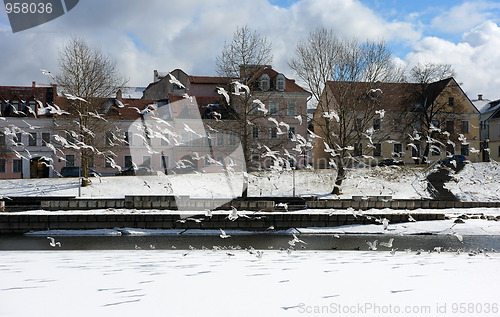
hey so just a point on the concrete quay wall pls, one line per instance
(397, 204)
(22, 223)
(156, 202)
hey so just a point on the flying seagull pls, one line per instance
(47, 73)
(53, 242)
(175, 81)
(387, 244)
(372, 245)
(223, 234)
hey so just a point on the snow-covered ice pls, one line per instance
(236, 283)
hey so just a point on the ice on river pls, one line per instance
(237, 283)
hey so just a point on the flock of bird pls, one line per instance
(293, 246)
(156, 127)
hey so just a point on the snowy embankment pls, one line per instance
(477, 182)
(392, 181)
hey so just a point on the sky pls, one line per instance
(143, 36)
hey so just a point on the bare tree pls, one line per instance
(247, 48)
(342, 76)
(239, 60)
(4, 149)
(429, 111)
(86, 77)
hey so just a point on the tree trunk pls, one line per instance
(338, 180)
(425, 156)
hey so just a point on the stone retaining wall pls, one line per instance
(397, 204)
(19, 223)
(157, 202)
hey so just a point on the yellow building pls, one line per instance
(490, 127)
(406, 122)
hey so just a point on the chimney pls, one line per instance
(480, 97)
(33, 84)
(119, 94)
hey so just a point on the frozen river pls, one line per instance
(111, 278)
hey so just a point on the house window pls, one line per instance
(32, 105)
(220, 139)
(397, 150)
(451, 101)
(2, 138)
(146, 161)
(71, 137)
(415, 150)
(291, 133)
(185, 138)
(17, 165)
(273, 133)
(15, 105)
(273, 108)
(232, 139)
(45, 138)
(127, 138)
(376, 124)
(206, 161)
(165, 140)
(264, 82)
(464, 126)
(147, 140)
(450, 126)
(436, 124)
(3, 163)
(220, 160)
(127, 160)
(450, 149)
(19, 138)
(377, 149)
(107, 161)
(358, 124)
(465, 149)
(358, 149)
(291, 108)
(499, 150)
(280, 82)
(435, 150)
(32, 139)
(254, 108)
(255, 132)
(70, 160)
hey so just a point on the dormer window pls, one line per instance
(280, 82)
(15, 105)
(32, 105)
(264, 82)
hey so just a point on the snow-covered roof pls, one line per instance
(486, 105)
(132, 92)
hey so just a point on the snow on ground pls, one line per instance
(477, 182)
(387, 181)
(237, 283)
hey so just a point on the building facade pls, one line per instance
(402, 121)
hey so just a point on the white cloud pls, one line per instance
(476, 59)
(464, 16)
(184, 34)
(190, 34)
